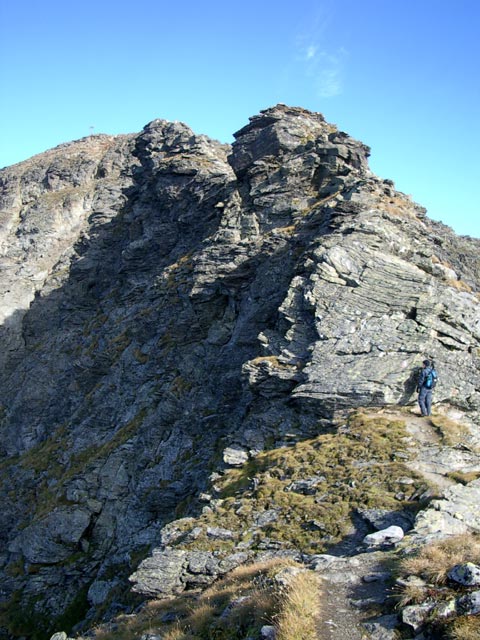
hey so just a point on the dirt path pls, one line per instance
(426, 445)
(352, 591)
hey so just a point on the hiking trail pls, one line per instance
(356, 585)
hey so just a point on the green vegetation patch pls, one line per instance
(20, 621)
(357, 468)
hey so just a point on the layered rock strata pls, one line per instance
(165, 297)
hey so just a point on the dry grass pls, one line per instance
(434, 561)
(273, 361)
(464, 477)
(298, 617)
(451, 432)
(410, 595)
(399, 205)
(460, 285)
(463, 628)
(287, 231)
(233, 608)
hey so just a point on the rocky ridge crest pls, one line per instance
(165, 297)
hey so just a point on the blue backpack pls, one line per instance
(430, 379)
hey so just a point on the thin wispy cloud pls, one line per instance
(324, 69)
(319, 61)
(311, 52)
(317, 64)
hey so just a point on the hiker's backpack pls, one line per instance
(430, 379)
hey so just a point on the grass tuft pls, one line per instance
(432, 562)
(464, 477)
(299, 614)
(450, 431)
(233, 608)
(463, 628)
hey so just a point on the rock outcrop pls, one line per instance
(166, 298)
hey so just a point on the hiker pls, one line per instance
(426, 383)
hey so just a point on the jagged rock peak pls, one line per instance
(280, 130)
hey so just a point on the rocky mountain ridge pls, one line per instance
(172, 305)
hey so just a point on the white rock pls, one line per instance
(235, 457)
(390, 535)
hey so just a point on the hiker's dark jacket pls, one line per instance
(424, 373)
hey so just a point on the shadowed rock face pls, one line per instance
(164, 295)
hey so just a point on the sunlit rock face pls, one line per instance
(165, 296)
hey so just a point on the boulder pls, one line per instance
(161, 573)
(445, 609)
(306, 486)
(265, 518)
(267, 632)
(218, 533)
(466, 574)
(382, 519)
(171, 571)
(469, 604)
(416, 615)
(455, 513)
(235, 457)
(382, 628)
(390, 535)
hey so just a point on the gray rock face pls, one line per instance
(382, 519)
(52, 538)
(166, 297)
(456, 513)
(161, 574)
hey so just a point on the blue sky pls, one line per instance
(403, 77)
